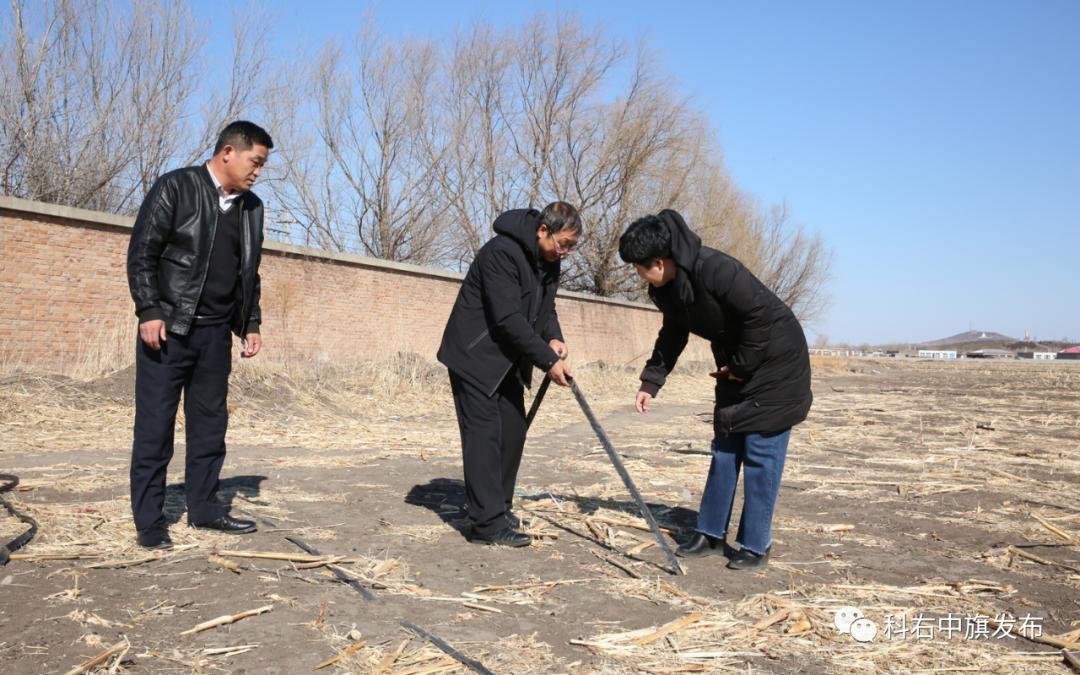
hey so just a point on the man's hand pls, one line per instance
(725, 374)
(560, 373)
(152, 333)
(641, 403)
(560, 348)
(252, 345)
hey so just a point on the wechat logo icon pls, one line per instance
(850, 621)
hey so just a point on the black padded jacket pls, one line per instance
(750, 330)
(504, 316)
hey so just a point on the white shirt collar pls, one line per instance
(225, 199)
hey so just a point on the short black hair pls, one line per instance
(645, 240)
(559, 216)
(242, 134)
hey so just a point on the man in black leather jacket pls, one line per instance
(504, 324)
(193, 272)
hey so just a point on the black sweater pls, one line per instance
(218, 300)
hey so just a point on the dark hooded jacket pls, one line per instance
(504, 315)
(750, 330)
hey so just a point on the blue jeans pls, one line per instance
(761, 457)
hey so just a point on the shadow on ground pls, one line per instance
(446, 498)
(248, 487)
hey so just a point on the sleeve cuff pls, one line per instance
(650, 388)
(550, 362)
(738, 372)
(253, 326)
(151, 314)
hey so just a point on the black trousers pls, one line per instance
(492, 439)
(197, 364)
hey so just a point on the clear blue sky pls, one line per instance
(935, 145)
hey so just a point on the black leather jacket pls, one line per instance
(169, 253)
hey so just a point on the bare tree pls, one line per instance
(616, 162)
(98, 97)
(300, 175)
(405, 150)
(64, 75)
(246, 94)
(468, 141)
(365, 181)
(163, 83)
(557, 68)
(794, 264)
(83, 83)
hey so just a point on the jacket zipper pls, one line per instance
(209, 255)
(539, 298)
(731, 419)
(499, 382)
(245, 247)
(536, 315)
(477, 340)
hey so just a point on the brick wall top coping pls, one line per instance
(26, 206)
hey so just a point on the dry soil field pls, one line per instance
(940, 499)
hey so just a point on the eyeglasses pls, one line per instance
(562, 248)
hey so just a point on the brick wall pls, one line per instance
(64, 300)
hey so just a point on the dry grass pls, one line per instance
(104, 346)
(830, 365)
(795, 628)
(402, 404)
(990, 449)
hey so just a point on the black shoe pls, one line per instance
(226, 524)
(507, 536)
(701, 545)
(513, 521)
(154, 537)
(746, 559)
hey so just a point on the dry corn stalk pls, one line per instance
(227, 564)
(90, 664)
(351, 649)
(227, 619)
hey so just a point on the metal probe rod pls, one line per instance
(627, 481)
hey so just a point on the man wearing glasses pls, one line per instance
(504, 324)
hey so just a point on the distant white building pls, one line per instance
(827, 351)
(990, 354)
(1044, 356)
(936, 354)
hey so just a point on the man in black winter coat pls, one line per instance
(193, 272)
(762, 377)
(504, 324)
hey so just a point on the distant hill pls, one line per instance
(985, 338)
(973, 340)
(970, 341)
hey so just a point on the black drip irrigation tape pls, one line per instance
(342, 577)
(471, 664)
(9, 484)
